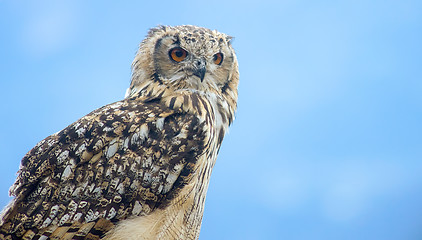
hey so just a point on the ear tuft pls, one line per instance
(229, 40)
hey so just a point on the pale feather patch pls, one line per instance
(160, 123)
(62, 157)
(137, 208)
(66, 173)
(139, 136)
(81, 132)
(112, 149)
(111, 214)
(127, 92)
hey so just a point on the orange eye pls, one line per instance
(218, 58)
(178, 54)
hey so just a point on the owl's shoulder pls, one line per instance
(124, 159)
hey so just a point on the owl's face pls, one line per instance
(193, 59)
(186, 58)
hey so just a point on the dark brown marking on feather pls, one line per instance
(225, 86)
(220, 136)
(222, 113)
(160, 95)
(204, 103)
(195, 103)
(172, 101)
(176, 40)
(185, 100)
(230, 117)
(73, 229)
(156, 77)
(158, 44)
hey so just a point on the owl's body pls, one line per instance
(138, 168)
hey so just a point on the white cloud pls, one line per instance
(285, 188)
(354, 187)
(49, 28)
(347, 197)
(286, 191)
(340, 190)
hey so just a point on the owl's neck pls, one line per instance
(208, 106)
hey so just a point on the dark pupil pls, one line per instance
(215, 57)
(178, 53)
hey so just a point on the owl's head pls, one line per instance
(186, 58)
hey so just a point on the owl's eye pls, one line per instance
(178, 54)
(218, 58)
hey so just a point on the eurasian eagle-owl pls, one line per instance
(138, 168)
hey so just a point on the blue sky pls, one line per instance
(327, 143)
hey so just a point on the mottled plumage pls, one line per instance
(138, 168)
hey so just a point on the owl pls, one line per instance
(138, 168)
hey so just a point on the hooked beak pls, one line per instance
(200, 69)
